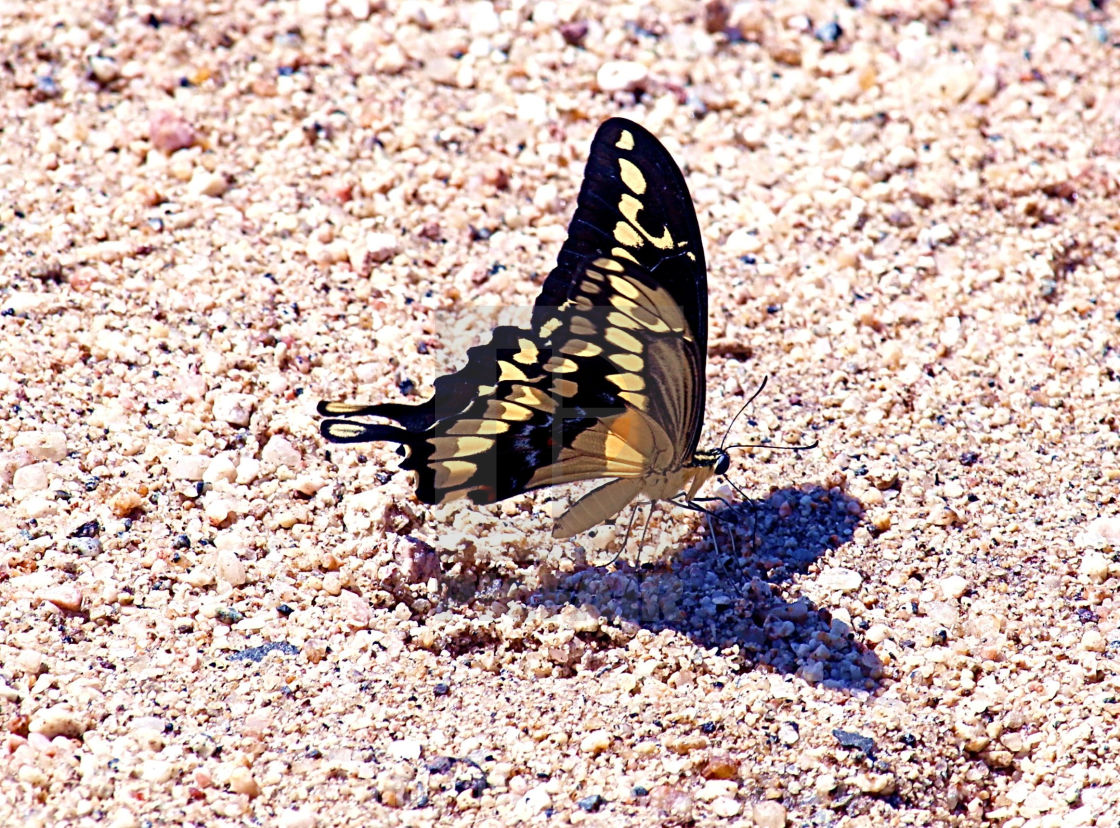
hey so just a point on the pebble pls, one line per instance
(620, 75)
(169, 132)
(229, 568)
(188, 467)
(66, 597)
(840, 579)
(769, 814)
(953, 586)
(241, 781)
(221, 468)
(58, 720)
(408, 750)
(235, 409)
(1094, 566)
(536, 801)
(49, 444)
(1104, 530)
(280, 452)
(595, 742)
(371, 249)
(725, 806)
(34, 477)
(296, 818)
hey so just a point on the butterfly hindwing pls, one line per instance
(607, 381)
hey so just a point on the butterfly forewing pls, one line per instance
(607, 381)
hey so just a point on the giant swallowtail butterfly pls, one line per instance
(608, 379)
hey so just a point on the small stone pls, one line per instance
(720, 767)
(229, 568)
(743, 241)
(595, 742)
(33, 478)
(59, 720)
(296, 818)
(840, 579)
(126, 502)
(769, 814)
(247, 471)
(621, 75)
(221, 468)
(355, 607)
(536, 801)
(953, 587)
(278, 451)
(374, 248)
(1104, 530)
(358, 9)
(241, 781)
(103, 69)
(235, 409)
(66, 597)
(408, 750)
(169, 132)
(86, 547)
(725, 806)
(1094, 566)
(188, 467)
(157, 770)
(482, 20)
(49, 444)
(419, 562)
(208, 183)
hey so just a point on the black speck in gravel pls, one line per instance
(856, 741)
(441, 689)
(441, 764)
(591, 803)
(258, 653)
(89, 529)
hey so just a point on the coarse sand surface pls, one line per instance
(214, 214)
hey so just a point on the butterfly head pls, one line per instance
(717, 460)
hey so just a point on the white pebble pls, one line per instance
(372, 249)
(482, 20)
(235, 409)
(188, 467)
(1102, 530)
(66, 597)
(33, 478)
(296, 818)
(59, 720)
(229, 567)
(247, 470)
(840, 579)
(769, 814)
(406, 749)
(221, 468)
(742, 242)
(595, 742)
(280, 452)
(726, 806)
(1094, 566)
(953, 587)
(536, 801)
(620, 75)
(49, 444)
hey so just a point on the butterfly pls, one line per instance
(607, 381)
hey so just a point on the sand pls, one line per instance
(215, 214)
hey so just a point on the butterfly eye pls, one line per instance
(723, 463)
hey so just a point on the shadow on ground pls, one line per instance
(734, 596)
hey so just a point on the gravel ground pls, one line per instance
(214, 214)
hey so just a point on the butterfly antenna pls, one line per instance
(805, 447)
(753, 397)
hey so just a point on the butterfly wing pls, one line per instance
(608, 381)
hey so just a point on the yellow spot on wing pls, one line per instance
(630, 207)
(528, 353)
(531, 397)
(631, 176)
(623, 253)
(478, 427)
(625, 140)
(622, 320)
(448, 448)
(627, 382)
(549, 327)
(582, 326)
(344, 431)
(627, 362)
(509, 371)
(565, 387)
(500, 410)
(624, 340)
(625, 233)
(452, 473)
(341, 409)
(580, 348)
(609, 264)
(560, 365)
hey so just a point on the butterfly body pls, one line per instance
(607, 381)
